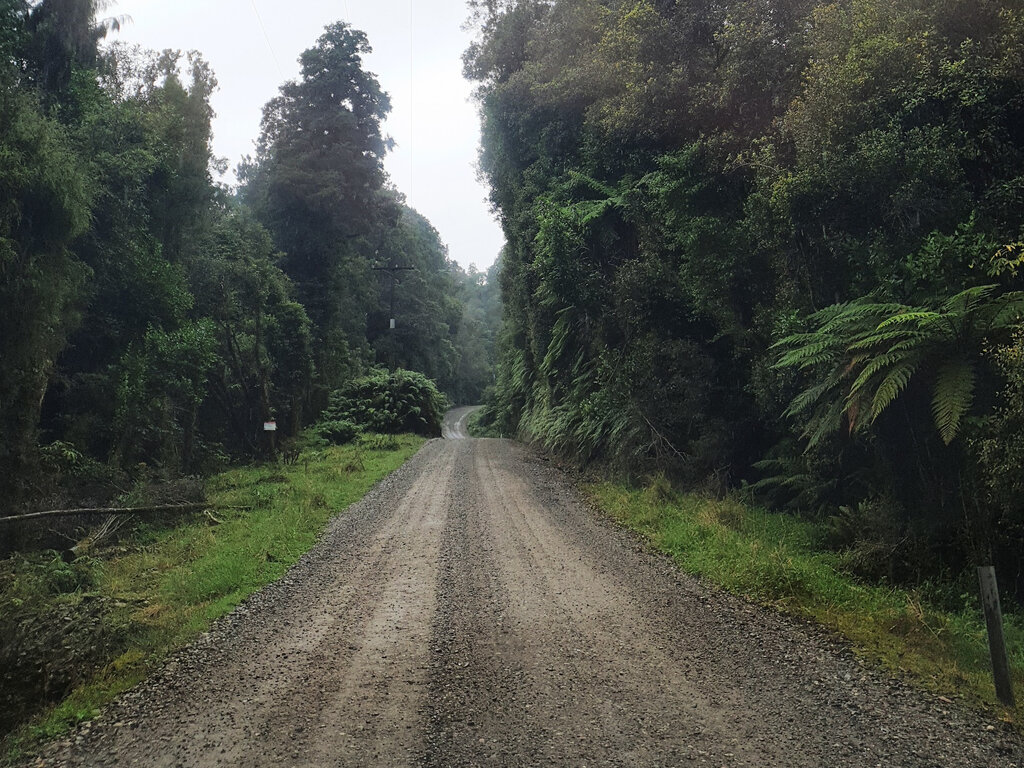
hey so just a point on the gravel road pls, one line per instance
(472, 611)
(454, 426)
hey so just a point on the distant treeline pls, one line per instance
(775, 243)
(152, 320)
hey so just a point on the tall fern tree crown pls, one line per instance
(861, 356)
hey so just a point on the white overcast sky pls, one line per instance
(417, 48)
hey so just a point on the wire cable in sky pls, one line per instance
(266, 37)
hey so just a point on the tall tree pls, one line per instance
(422, 298)
(317, 183)
(45, 206)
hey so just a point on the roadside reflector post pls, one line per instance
(996, 641)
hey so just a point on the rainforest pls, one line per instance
(771, 248)
(153, 319)
(760, 308)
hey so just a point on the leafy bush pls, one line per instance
(379, 442)
(61, 456)
(390, 403)
(337, 432)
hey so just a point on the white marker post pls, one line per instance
(270, 430)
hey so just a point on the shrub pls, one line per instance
(337, 431)
(390, 403)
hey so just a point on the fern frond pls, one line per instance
(807, 398)
(797, 339)
(892, 385)
(1007, 311)
(952, 396)
(873, 368)
(826, 314)
(907, 317)
(967, 300)
(824, 424)
(560, 335)
(806, 356)
(886, 337)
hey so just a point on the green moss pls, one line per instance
(169, 584)
(772, 559)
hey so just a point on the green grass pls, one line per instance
(771, 558)
(170, 583)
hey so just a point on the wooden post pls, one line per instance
(996, 642)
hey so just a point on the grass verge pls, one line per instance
(157, 591)
(772, 559)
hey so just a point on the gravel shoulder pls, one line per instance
(473, 611)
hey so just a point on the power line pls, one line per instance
(266, 37)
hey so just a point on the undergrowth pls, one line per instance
(117, 615)
(479, 424)
(773, 559)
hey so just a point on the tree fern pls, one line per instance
(860, 357)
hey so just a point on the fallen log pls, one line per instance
(115, 511)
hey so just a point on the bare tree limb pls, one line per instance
(116, 511)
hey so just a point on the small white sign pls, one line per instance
(270, 426)
(392, 323)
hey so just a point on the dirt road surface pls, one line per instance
(454, 426)
(472, 611)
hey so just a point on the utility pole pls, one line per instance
(393, 272)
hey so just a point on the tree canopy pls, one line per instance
(152, 319)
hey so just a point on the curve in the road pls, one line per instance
(454, 425)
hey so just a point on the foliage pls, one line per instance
(264, 366)
(149, 315)
(317, 184)
(45, 207)
(862, 356)
(423, 300)
(390, 403)
(162, 384)
(52, 635)
(683, 185)
(477, 336)
(337, 432)
(999, 451)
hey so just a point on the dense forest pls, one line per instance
(151, 319)
(772, 245)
